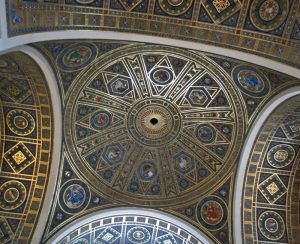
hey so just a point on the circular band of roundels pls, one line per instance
(20, 122)
(8, 66)
(281, 155)
(74, 196)
(268, 15)
(161, 75)
(212, 213)
(138, 234)
(175, 7)
(271, 225)
(12, 195)
(77, 56)
(251, 81)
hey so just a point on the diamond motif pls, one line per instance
(109, 235)
(19, 157)
(220, 10)
(221, 5)
(166, 239)
(15, 89)
(272, 188)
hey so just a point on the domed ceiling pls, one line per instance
(268, 28)
(150, 126)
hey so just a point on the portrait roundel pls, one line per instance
(74, 196)
(212, 212)
(76, 56)
(251, 81)
(268, 15)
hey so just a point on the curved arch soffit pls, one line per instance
(246, 151)
(57, 134)
(8, 43)
(129, 211)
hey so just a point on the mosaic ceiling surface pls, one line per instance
(25, 146)
(271, 188)
(268, 28)
(153, 126)
(130, 229)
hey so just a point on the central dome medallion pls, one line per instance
(151, 125)
(154, 122)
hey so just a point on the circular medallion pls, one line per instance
(268, 15)
(139, 235)
(251, 81)
(101, 120)
(269, 10)
(147, 170)
(281, 155)
(212, 212)
(76, 56)
(12, 195)
(153, 145)
(161, 76)
(20, 122)
(154, 122)
(7, 65)
(271, 225)
(206, 133)
(175, 7)
(74, 196)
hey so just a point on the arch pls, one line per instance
(140, 212)
(57, 134)
(246, 152)
(9, 43)
(57, 138)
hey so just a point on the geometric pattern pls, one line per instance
(130, 228)
(25, 145)
(120, 158)
(19, 157)
(270, 197)
(268, 28)
(219, 10)
(156, 99)
(272, 188)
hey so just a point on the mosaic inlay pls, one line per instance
(146, 118)
(25, 146)
(270, 203)
(160, 127)
(268, 28)
(131, 229)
